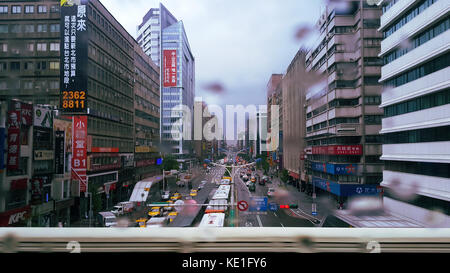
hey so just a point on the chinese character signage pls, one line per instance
(79, 151)
(74, 54)
(13, 139)
(2, 148)
(59, 152)
(169, 68)
(338, 150)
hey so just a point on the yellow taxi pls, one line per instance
(168, 208)
(155, 212)
(142, 222)
(172, 216)
(175, 196)
(193, 193)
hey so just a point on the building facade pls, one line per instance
(416, 103)
(34, 38)
(275, 97)
(293, 100)
(343, 119)
(164, 39)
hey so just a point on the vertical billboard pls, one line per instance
(79, 151)
(169, 68)
(59, 152)
(74, 56)
(14, 118)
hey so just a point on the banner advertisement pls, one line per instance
(74, 56)
(43, 117)
(79, 151)
(59, 152)
(169, 68)
(13, 140)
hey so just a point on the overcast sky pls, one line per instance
(237, 43)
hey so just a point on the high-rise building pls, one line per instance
(293, 100)
(416, 102)
(146, 114)
(275, 97)
(164, 38)
(343, 118)
(149, 32)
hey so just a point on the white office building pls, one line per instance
(416, 102)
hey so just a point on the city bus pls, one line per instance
(213, 220)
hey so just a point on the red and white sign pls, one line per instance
(242, 205)
(15, 216)
(104, 150)
(13, 139)
(27, 114)
(169, 68)
(79, 151)
(338, 150)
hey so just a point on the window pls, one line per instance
(3, 85)
(41, 46)
(54, 28)
(419, 40)
(3, 9)
(29, 9)
(29, 28)
(371, 80)
(3, 28)
(373, 119)
(3, 47)
(54, 65)
(30, 47)
(42, 9)
(15, 66)
(42, 65)
(28, 66)
(432, 66)
(28, 85)
(16, 9)
(54, 8)
(3, 66)
(54, 84)
(15, 28)
(372, 100)
(371, 23)
(41, 28)
(54, 46)
(412, 13)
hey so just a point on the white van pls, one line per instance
(107, 219)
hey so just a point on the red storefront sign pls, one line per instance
(79, 151)
(338, 150)
(146, 162)
(20, 184)
(15, 216)
(27, 114)
(13, 139)
(104, 150)
(169, 68)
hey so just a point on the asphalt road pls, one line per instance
(280, 218)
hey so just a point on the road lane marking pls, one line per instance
(259, 220)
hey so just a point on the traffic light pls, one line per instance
(291, 206)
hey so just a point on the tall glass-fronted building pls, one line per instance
(164, 39)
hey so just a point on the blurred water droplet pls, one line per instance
(10, 243)
(436, 219)
(305, 244)
(403, 191)
(303, 31)
(366, 206)
(216, 88)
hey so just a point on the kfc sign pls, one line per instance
(15, 216)
(79, 151)
(170, 68)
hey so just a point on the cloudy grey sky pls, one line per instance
(236, 43)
